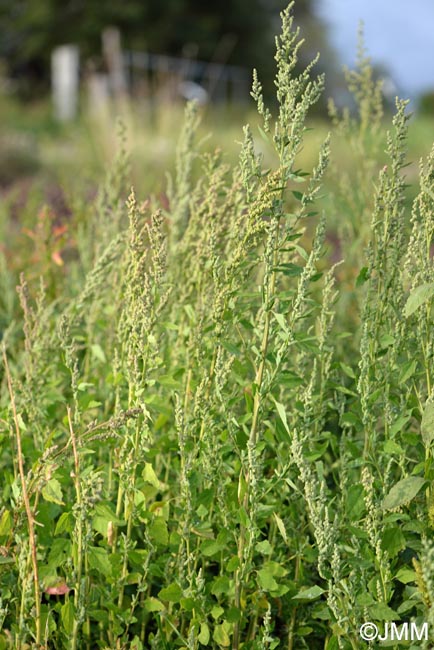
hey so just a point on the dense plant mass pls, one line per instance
(215, 432)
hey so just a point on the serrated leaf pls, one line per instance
(418, 297)
(403, 492)
(427, 424)
(52, 491)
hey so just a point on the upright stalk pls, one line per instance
(254, 426)
(79, 565)
(29, 513)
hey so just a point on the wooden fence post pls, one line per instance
(65, 81)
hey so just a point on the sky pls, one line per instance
(399, 34)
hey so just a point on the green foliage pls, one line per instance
(194, 453)
(31, 29)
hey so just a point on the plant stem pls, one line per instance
(29, 514)
(254, 427)
(79, 566)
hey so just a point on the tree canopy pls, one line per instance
(30, 29)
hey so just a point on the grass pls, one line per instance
(216, 407)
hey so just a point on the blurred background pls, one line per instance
(68, 68)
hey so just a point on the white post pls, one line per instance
(65, 81)
(111, 43)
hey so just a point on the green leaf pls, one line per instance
(99, 560)
(312, 593)
(158, 531)
(403, 492)
(169, 382)
(405, 575)
(67, 614)
(217, 611)
(60, 550)
(418, 297)
(203, 636)
(136, 644)
(52, 491)
(407, 371)
(427, 424)
(362, 277)
(65, 523)
(282, 414)
(5, 523)
(281, 527)
(152, 604)
(348, 370)
(391, 447)
(266, 580)
(98, 352)
(106, 512)
(172, 593)
(264, 547)
(150, 476)
(386, 340)
(289, 269)
(381, 612)
(392, 541)
(355, 501)
(400, 423)
(220, 586)
(221, 634)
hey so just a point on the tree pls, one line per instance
(30, 29)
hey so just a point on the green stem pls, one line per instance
(28, 509)
(79, 563)
(253, 437)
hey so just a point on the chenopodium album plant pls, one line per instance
(193, 453)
